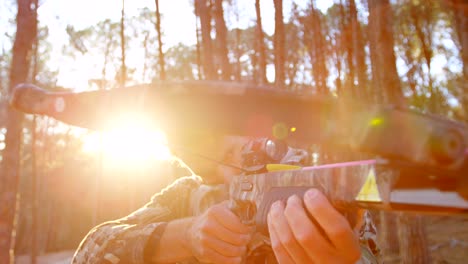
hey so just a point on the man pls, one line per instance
(190, 222)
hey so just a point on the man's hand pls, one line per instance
(218, 236)
(296, 239)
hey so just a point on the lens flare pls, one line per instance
(129, 144)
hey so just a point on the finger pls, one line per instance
(211, 256)
(219, 231)
(282, 256)
(359, 221)
(333, 223)
(228, 219)
(306, 233)
(285, 235)
(222, 247)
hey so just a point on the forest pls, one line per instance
(58, 181)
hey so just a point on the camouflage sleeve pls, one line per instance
(124, 240)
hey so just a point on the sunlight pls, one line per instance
(132, 144)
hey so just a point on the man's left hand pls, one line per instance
(296, 239)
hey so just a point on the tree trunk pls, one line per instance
(386, 88)
(237, 69)
(107, 52)
(421, 21)
(25, 34)
(260, 45)
(203, 9)
(34, 196)
(359, 52)
(146, 55)
(384, 71)
(413, 243)
(346, 38)
(412, 239)
(3, 89)
(162, 68)
(238, 72)
(460, 12)
(221, 40)
(279, 42)
(387, 236)
(198, 48)
(123, 69)
(317, 50)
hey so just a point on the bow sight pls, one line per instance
(263, 151)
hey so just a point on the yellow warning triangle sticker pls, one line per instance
(369, 191)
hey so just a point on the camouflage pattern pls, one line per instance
(124, 240)
(368, 235)
(342, 183)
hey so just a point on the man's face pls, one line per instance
(205, 156)
(231, 155)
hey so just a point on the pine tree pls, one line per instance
(26, 33)
(260, 45)
(279, 44)
(162, 67)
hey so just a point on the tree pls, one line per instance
(260, 45)
(422, 16)
(181, 62)
(384, 71)
(40, 75)
(144, 35)
(334, 25)
(386, 88)
(419, 26)
(413, 242)
(346, 45)
(406, 45)
(221, 40)
(26, 32)
(123, 67)
(4, 59)
(162, 71)
(107, 29)
(242, 42)
(203, 12)
(279, 43)
(198, 44)
(460, 15)
(99, 40)
(294, 53)
(412, 238)
(359, 54)
(316, 46)
(237, 68)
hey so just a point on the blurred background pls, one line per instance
(68, 179)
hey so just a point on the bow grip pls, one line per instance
(282, 194)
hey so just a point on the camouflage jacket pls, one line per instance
(124, 240)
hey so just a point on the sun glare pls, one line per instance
(132, 144)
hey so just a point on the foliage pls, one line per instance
(321, 54)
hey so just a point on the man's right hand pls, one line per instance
(218, 236)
